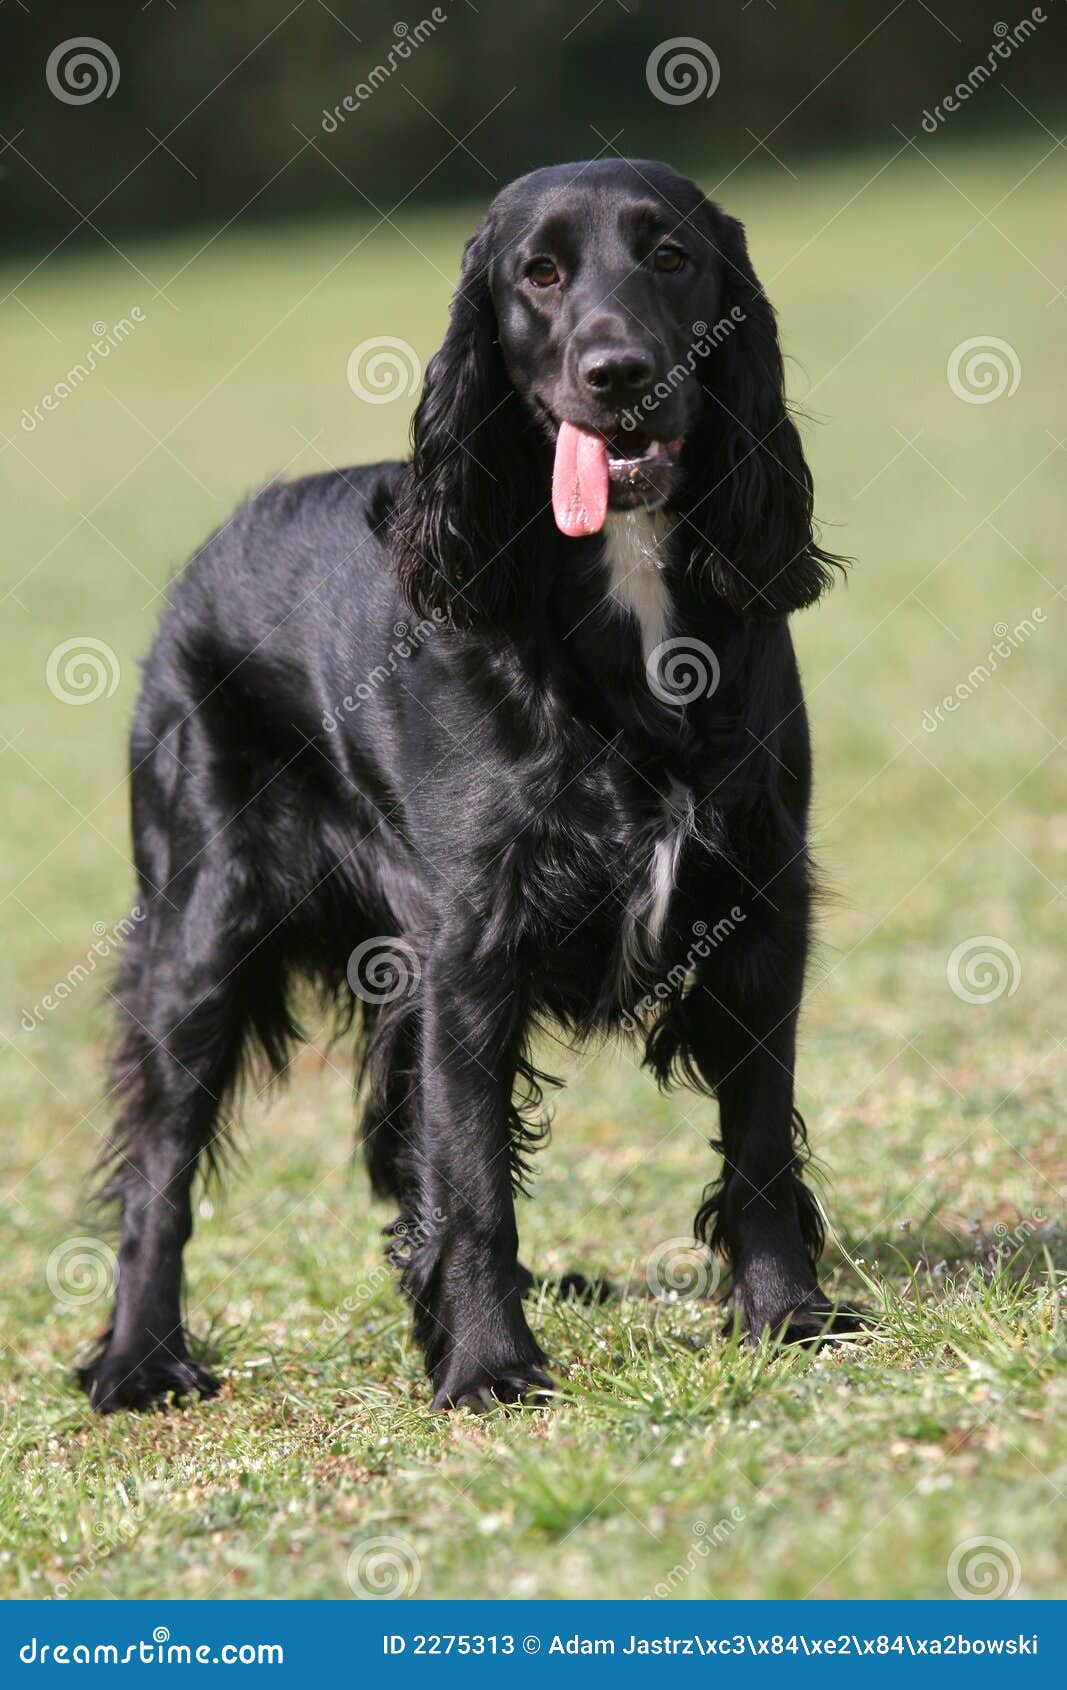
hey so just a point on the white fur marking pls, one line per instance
(635, 571)
(647, 914)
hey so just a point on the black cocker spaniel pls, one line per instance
(509, 735)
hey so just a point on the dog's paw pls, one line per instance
(116, 1381)
(813, 1320)
(488, 1388)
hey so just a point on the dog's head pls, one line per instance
(609, 347)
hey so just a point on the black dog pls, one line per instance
(574, 793)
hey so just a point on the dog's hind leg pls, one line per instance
(187, 993)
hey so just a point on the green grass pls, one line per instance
(938, 1122)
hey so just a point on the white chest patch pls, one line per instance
(633, 542)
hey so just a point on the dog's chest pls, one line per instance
(637, 583)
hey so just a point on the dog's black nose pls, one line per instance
(615, 375)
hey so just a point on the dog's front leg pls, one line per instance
(462, 1271)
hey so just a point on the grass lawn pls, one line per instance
(673, 1463)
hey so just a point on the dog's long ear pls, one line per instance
(462, 503)
(747, 503)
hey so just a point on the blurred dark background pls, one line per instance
(218, 108)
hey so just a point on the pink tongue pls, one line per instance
(579, 482)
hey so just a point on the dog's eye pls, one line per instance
(542, 272)
(669, 259)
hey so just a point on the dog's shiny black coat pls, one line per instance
(491, 798)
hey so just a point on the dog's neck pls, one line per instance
(634, 549)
